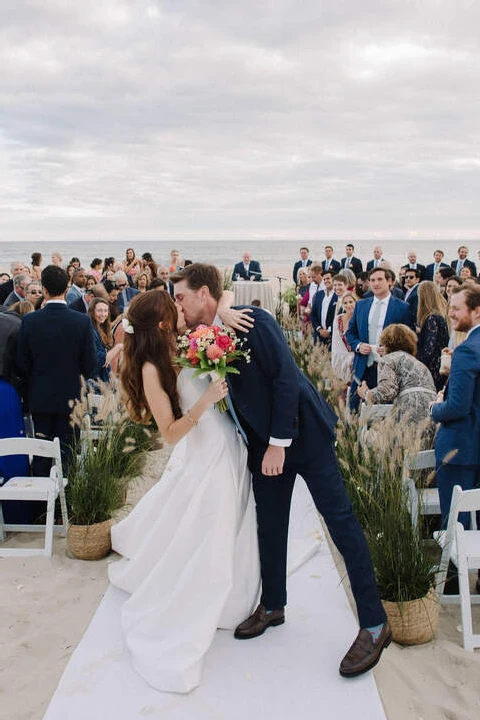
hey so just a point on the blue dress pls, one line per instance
(12, 425)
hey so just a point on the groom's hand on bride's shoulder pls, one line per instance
(273, 460)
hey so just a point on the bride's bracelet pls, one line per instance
(192, 419)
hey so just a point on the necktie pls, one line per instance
(347, 263)
(459, 266)
(373, 330)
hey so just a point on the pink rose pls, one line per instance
(214, 352)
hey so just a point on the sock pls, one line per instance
(375, 631)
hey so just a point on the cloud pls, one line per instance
(187, 117)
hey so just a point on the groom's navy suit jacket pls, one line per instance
(274, 396)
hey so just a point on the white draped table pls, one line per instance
(247, 290)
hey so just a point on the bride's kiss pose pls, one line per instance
(190, 549)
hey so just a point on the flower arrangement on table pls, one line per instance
(211, 349)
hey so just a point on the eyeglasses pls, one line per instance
(34, 292)
(410, 277)
(121, 285)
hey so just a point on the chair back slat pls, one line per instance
(30, 446)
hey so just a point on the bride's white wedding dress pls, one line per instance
(190, 551)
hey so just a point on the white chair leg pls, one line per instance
(2, 523)
(49, 523)
(463, 584)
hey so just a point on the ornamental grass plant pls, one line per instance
(372, 467)
(110, 451)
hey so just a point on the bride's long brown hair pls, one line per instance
(149, 343)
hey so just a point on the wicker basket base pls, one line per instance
(89, 542)
(413, 622)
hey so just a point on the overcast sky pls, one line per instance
(247, 119)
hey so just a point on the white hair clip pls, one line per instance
(127, 326)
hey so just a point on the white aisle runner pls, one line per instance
(289, 672)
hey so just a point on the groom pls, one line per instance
(290, 430)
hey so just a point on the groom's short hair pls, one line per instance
(199, 274)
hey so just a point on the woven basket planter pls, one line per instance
(89, 542)
(413, 622)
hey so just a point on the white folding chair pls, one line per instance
(422, 500)
(462, 547)
(34, 488)
(91, 429)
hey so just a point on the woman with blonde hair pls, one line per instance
(432, 328)
(190, 553)
(342, 353)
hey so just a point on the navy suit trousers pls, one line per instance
(273, 497)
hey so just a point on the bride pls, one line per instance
(190, 551)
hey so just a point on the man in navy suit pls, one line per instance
(55, 348)
(458, 406)
(126, 293)
(377, 258)
(438, 263)
(305, 261)
(248, 269)
(330, 264)
(290, 430)
(369, 318)
(414, 265)
(463, 261)
(412, 281)
(323, 312)
(350, 262)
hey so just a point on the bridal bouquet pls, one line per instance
(211, 350)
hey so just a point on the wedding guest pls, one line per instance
(303, 281)
(105, 350)
(90, 282)
(126, 293)
(330, 264)
(142, 281)
(75, 261)
(57, 259)
(432, 269)
(304, 262)
(441, 278)
(36, 270)
(412, 264)
(16, 268)
(158, 284)
(350, 278)
(22, 307)
(20, 284)
(70, 271)
(323, 312)
(362, 286)
(96, 269)
(378, 258)
(108, 265)
(149, 265)
(4, 277)
(350, 262)
(247, 269)
(342, 354)
(77, 289)
(164, 275)
(306, 302)
(175, 261)
(402, 379)
(466, 273)
(113, 293)
(433, 329)
(131, 265)
(452, 282)
(463, 261)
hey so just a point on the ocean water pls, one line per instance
(275, 257)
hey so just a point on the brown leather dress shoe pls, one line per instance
(364, 653)
(257, 623)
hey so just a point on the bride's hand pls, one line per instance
(237, 319)
(216, 391)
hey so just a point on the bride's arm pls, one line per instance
(161, 408)
(236, 319)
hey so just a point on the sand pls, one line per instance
(47, 603)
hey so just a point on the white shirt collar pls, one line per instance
(56, 302)
(385, 299)
(475, 327)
